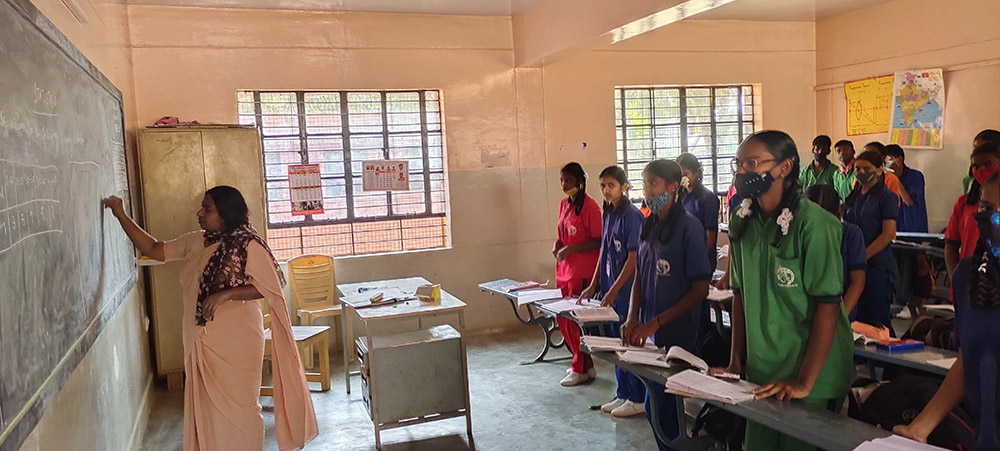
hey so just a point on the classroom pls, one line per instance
(499, 224)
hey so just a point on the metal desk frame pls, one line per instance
(542, 319)
(412, 310)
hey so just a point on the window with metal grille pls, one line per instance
(655, 122)
(339, 130)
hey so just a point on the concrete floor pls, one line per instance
(513, 408)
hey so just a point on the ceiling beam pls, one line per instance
(551, 30)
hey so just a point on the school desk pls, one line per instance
(599, 328)
(536, 317)
(911, 359)
(375, 318)
(817, 426)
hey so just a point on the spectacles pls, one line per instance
(748, 165)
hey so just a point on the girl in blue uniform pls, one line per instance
(672, 278)
(873, 207)
(973, 377)
(703, 204)
(612, 280)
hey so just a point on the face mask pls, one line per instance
(865, 178)
(572, 191)
(656, 204)
(753, 184)
(982, 175)
(988, 223)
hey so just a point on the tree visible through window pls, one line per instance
(664, 121)
(339, 131)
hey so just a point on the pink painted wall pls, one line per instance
(958, 36)
(103, 403)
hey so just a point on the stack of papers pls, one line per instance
(644, 357)
(943, 363)
(598, 344)
(895, 443)
(529, 296)
(693, 384)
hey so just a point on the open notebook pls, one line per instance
(586, 311)
(694, 384)
(676, 357)
(895, 443)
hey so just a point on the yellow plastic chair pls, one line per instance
(313, 289)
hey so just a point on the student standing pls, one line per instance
(612, 279)
(673, 276)
(228, 270)
(786, 275)
(913, 212)
(874, 209)
(891, 180)
(843, 180)
(821, 171)
(852, 246)
(703, 204)
(981, 138)
(576, 252)
(973, 377)
(961, 235)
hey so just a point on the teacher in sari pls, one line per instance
(228, 271)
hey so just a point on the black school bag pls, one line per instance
(725, 428)
(900, 400)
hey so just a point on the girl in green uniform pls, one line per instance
(790, 331)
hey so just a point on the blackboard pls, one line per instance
(65, 264)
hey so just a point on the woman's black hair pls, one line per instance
(231, 206)
(825, 196)
(781, 147)
(690, 162)
(616, 173)
(895, 151)
(878, 146)
(576, 171)
(670, 172)
(975, 189)
(873, 157)
(983, 293)
(988, 135)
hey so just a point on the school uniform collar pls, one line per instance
(848, 168)
(877, 188)
(618, 210)
(697, 192)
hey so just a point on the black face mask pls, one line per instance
(753, 184)
(865, 178)
(988, 223)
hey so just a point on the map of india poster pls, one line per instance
(918, 109)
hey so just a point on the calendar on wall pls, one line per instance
(306, 189)
(386, 175)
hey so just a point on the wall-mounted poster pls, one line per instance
(918, 109)
(869, 105)
(386, 175)
(306, 189)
